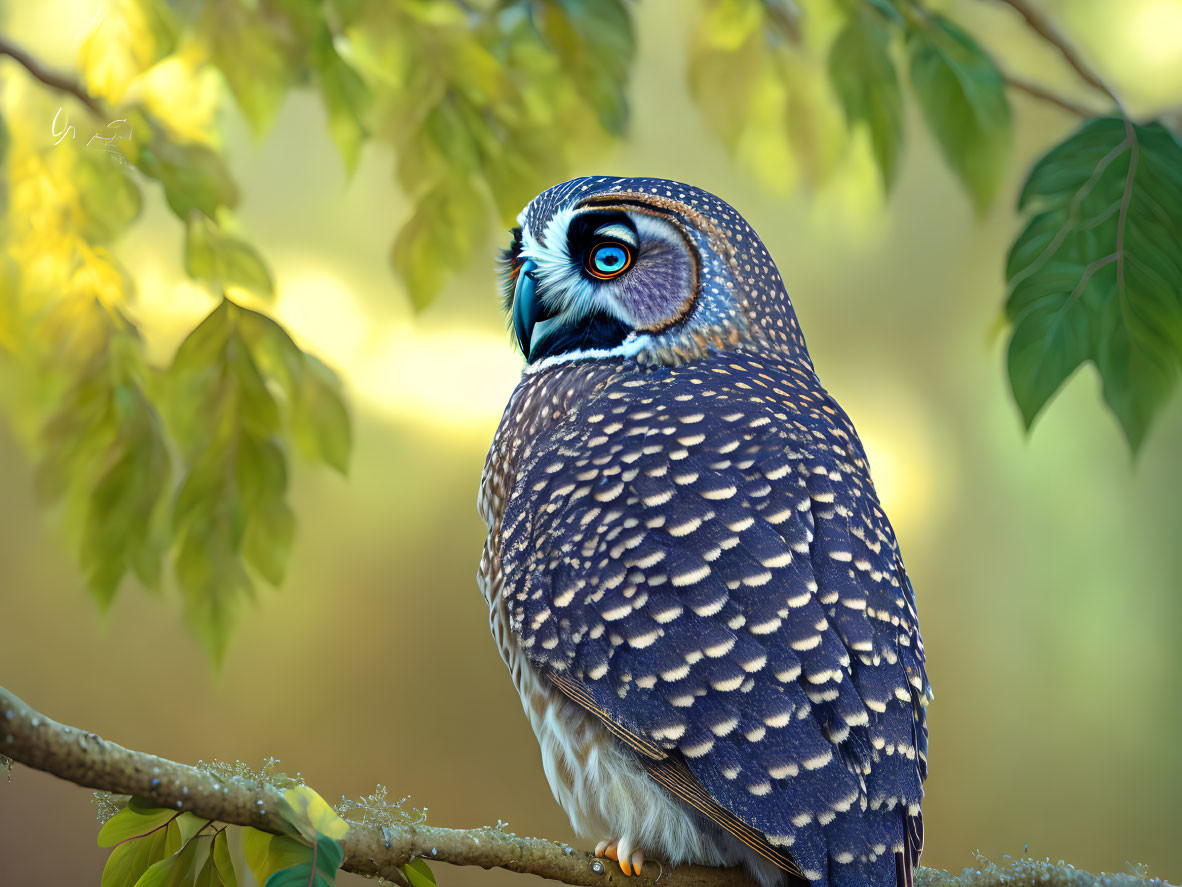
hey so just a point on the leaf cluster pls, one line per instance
(1094, 277)
(153, 846)
(184, 465)
(767, 79)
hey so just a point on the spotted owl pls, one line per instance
(688, 572)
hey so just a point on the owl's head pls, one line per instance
(645, 268)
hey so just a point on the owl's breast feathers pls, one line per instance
(697, 556)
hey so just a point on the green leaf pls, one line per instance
(1096, 274)
(219, 853)
(137, 852)
(207, 876)
(245, 48)
(886, 8)
(418, 873)
(184, 827)
(267, 853)
(172, 871)
(136, 819)
(752, 74)
(240, 393)
(194, 176)
(1051, 336)
(729, 66)
(267, 544)
(863, 75)
(963, 98)
(105, 452)
(318, 871)
(347, 100)
(320, 421)
(596, 42)
(108, 196)
(120, 529)
(310, 819)
(226, 422)
(223, 260)
(128, 861)
(439, 236)
(320, 424)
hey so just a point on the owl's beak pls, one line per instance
(528, 310)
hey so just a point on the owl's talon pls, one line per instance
(637, 860)
(631, 861)
(627, 857)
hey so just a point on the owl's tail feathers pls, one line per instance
(908, 860)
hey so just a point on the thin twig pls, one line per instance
(53, 80)
(1040, 92)
(32, 739)
(1041, 25)
(917, 14)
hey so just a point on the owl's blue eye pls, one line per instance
(608, 260)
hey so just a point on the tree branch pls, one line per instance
(1040, 92)
(1034, 90)
(53, 80)
(32, 739)
(1041, 25)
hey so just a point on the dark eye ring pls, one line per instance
(608, 259)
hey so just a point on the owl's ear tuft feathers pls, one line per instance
(508, 265)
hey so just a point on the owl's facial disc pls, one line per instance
(596, 279)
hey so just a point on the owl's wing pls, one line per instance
(719, 582)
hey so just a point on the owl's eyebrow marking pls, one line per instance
(616, 231)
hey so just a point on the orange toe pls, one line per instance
(610, 851)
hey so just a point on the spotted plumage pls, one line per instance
(688, 571)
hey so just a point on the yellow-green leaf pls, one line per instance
(135, 820)
(109, 197)
(245, 48)
(172, 871)
(864, 77)
(220, 854)
(128, 861)
(320, 420)
(963, 98)
(223, 260)
(194, 176)
(127, 38)
(267, 853)
(347, 100)
(311, 816)
(419, 874)
(207, 876)
(440, 234)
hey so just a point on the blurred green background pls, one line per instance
(1048, 568)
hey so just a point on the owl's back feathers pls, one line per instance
(699, 551)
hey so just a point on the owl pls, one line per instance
(688, 572)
